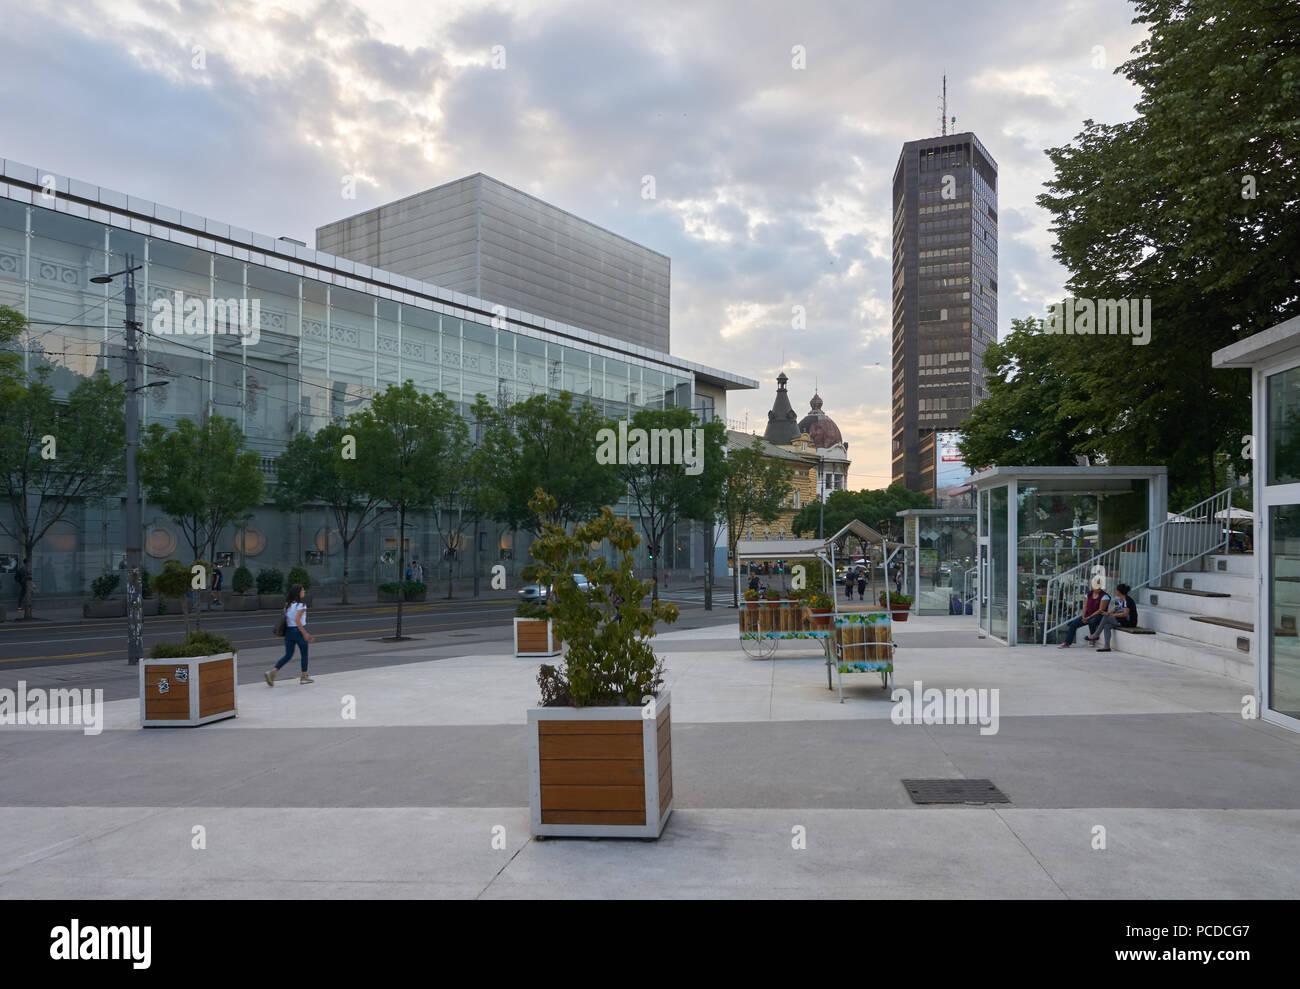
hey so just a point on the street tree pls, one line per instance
(408, 437)
(754, 488)
(664, 487)
(202, 477)
(548, 443)
(324, 469)
(55, 453)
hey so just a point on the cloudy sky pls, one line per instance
(772, 183)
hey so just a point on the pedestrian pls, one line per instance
(1094, 608)
(848, 584)
(862, 585)
(293, 625)
(419, 572)
(217, 581)
(898, 580)
(20, 576)
(665, 580)
(410, 574)
(1122, 614)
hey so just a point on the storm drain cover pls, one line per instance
(955, 792)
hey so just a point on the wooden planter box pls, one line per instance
(241, 602)
(271, 602)
(112, 608)
(535, 638)
(182, 693)
(600, 772)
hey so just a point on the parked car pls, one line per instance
(538, 592)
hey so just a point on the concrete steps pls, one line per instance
(1201, 616)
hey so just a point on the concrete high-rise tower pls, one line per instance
(945, 303)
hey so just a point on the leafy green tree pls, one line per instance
(548, 443)
(1190, 204)
(54, 453)
(754, 489)
(409, 436)
(667, 492)
(1037, 413)
(466, 490)
(202, 477)
(875, 508)
(324, 469)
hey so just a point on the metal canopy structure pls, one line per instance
(821, 549)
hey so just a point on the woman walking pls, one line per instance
(295, 633)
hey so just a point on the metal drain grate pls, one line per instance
(955, 792)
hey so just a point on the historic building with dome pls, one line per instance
(812, 447)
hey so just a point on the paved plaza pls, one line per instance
(780, 791)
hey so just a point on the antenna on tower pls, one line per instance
(943, 108)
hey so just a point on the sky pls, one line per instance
(772, 182)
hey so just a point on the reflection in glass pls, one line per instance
(1284, 598)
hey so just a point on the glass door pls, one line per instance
(1277, 645)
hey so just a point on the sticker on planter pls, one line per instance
(182, 674)
(163, 685)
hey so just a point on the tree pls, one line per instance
(408, 440)
(324, 469)
(1037, 413)
(54, 453)
(202, 477)
(1190, 204)
(548, 443)
(871, 507)
(466, 493)
(754, 488)
(667, 491)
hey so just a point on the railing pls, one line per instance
(1175, 542)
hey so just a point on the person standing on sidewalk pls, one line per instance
(295, 634)
(217, 581)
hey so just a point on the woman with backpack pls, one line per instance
(293, 626)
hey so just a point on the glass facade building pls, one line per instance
(331, 334)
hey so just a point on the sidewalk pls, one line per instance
(403, 801)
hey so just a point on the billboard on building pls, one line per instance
(949, 469)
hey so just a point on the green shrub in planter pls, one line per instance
(531, 609)
(897, 602)
(194, 644)
(608, 631)
(297, 575)
(104, 585)
(389, 587)
(242, 582)
(270, 582)
(413, 587)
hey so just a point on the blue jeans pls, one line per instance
(293, 637)
(1076, 623)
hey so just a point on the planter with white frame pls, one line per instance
(600, 772)
(535, 638)
(188, 691)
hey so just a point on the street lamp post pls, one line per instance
(134, 602)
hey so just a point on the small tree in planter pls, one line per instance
(188, 683)
(602, 715)
(270, 588)
(174, 582)
(102, 587)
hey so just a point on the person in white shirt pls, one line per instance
(295, 633)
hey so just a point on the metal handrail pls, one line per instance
(1190, 535)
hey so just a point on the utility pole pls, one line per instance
(134, 603)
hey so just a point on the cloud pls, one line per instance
(773, 184)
